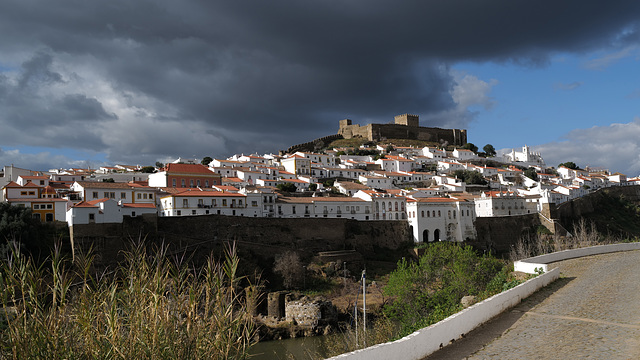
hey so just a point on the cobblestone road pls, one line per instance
(592, 312)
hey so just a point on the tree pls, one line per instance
(390, 148)
(470, 177)
(159, 164)
(148, 169)
(569, 165)
(288, 187)
(489, 150)
(109, 180)
(206, 160)
(531, 173)
(15, 222)
(313, 187)
(289, 266)
(471, 146)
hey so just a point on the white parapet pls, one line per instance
(541, 262)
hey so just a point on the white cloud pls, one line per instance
(615, 147)
(470, 91)
(605, 61)
(41, 161)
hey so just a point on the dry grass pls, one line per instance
(585, 235)
(149, 308)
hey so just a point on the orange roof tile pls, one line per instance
(189, 169)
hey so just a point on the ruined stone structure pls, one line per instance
(405, 126)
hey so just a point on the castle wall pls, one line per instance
(405, 127)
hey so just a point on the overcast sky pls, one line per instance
(133, 82)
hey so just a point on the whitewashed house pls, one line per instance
(441, 219)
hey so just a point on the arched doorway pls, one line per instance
(425, 236)
(436, 235)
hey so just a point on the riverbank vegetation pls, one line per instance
(425, 291)
(150, 307)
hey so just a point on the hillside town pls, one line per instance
(423, 186)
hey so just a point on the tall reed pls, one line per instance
(148, 308)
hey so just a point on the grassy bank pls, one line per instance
(148, 307)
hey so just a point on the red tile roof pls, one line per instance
(189, 169)
(142, 205)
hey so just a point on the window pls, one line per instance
(150, 196)
(123, 195)
(178, 212)
(213, 202)
(49, 206)
(190, 183)
(293, 209)
(144, 196)
(112, 195)
(254, 203)
(198, 183)
(439, 214)
(206, 183)
(183, 183)
(23, 193)
(200, 202)
(36, 207)
(449, 213)
(105, 194)
(422, 213)
(224, 202)
(32, 192)
(173, 182)
(185, 203)
(193, 212)
(133, 214)
(41, 182)
(92, 217)
(139, 196)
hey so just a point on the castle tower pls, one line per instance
(407, 120)
(344, 123)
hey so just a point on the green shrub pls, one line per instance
(429, 290)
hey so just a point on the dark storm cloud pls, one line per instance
(277, 72)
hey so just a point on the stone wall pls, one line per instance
(377, 132)
(262, 237)
(304, 312)
(499, 233)
(312, 146)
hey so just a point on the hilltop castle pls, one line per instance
(405, 126)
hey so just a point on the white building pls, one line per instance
(200, 202)
(526, 157)
(441, 219)
(105, 210)
(42, 200)
(296, 164)
(384, 206)
(464, 154)
(324, 207)
(503, 203)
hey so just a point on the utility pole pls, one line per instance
(364, 306)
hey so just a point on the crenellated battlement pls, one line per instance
(405, 126)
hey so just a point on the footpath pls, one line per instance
(591, 312)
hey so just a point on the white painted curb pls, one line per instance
(541, 262)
